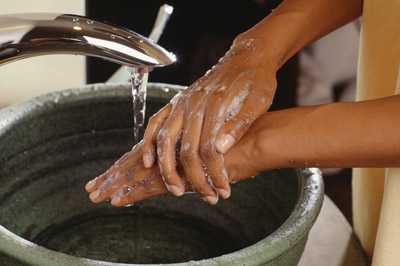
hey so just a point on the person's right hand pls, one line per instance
(209, 118)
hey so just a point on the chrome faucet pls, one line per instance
(28, 35)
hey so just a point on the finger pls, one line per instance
(150, 186)
(93, 184)
(150, 135)
(217, 108)
(113, 182)
(104, 191)
(166, 150)
(241, 114)
(122, 172)
(190, 159)
(127, 159)
(214, 161)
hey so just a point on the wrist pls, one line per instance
(239, 160)
(283, 139)
(282, 33)
(259, 52)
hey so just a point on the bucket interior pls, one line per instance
(52, 151)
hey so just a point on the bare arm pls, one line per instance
(365, 134)
(217, 110)
(362, 134)
(296, 23)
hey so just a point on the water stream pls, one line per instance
(139, 92)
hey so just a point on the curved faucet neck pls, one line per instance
(28, 35)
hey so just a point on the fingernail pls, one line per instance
(94, 195)
(211, 199)
(224, 143)
(177, 191)
(90, 185)
(148, 160)
(224, 193)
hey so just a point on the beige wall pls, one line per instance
(24, 79)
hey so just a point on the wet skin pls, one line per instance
(199, 130)
(223, 103)
(218, 109)
(361, 134)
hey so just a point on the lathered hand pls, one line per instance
(128, 181)
(297, 137)
(208, 119)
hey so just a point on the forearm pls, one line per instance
(295, 23)
(363, 134)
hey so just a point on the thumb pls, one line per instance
(237, 126)
(232, 131)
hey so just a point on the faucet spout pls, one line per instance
(28, 35)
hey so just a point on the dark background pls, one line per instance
(199, 33)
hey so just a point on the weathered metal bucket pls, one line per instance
(50, 146)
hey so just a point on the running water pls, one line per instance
(139, 91)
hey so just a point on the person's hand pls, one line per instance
(208, 119)
(127, 181)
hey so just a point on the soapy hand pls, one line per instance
(201, 124)
(128, 181)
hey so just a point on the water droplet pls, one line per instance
(75, 19)
(90, 22)
(113, 36)
(126, 190)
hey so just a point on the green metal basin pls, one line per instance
(52, 145)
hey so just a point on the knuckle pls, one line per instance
(153, 120)
(207, 151)
(239, 38)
